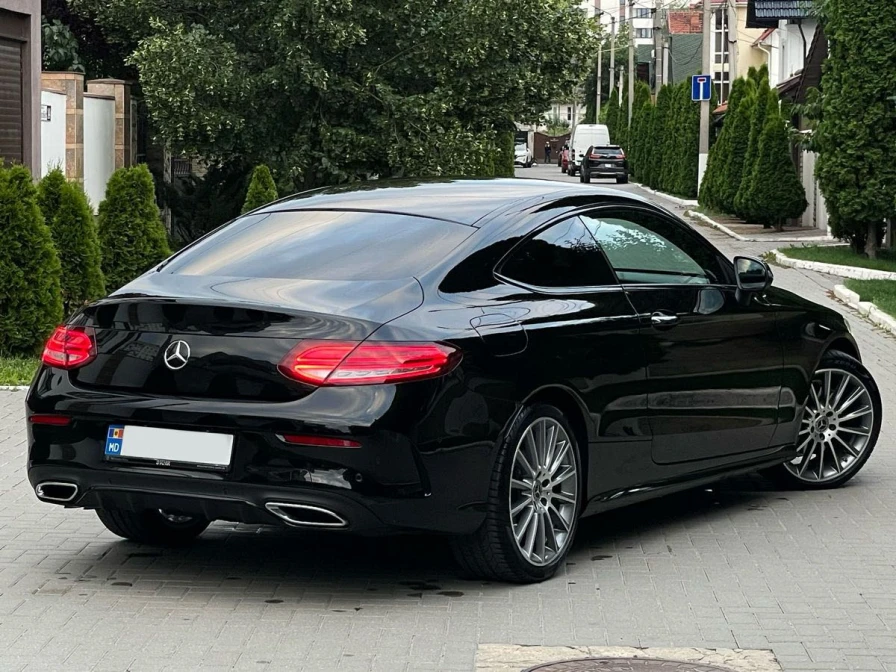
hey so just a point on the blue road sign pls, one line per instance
(701, 87)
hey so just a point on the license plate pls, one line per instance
(165, 447)
(608, 165)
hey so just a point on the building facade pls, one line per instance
(20, 65)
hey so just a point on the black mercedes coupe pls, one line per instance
(486, 359)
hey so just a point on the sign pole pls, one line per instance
(704, 104)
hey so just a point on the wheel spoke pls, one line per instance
(835, 459)
(568, 473)
(807, 456)
(852, 430)
(558, 461)
(827, 388)
(529, 440)
(519, 507)
(524, 526)
(542, 537)
(852, 451)
(818, 403)
(855, 396)
(563, 497)
(843, 385)
(520, 485)
(865, 410)
(533, 532)
(524, 463)
(541, 441)
(566, 526)
(550, 440)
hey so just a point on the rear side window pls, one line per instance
(323, 245)
(564, 255)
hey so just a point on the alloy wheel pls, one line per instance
(544, 490)
(836, 427)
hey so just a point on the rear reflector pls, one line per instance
(70, 347)
(55, 420)
(323, 441)
(368, 363)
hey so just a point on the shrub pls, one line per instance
(262, 189)
(720, 154)
(504, 155)
(76, 236)
(49, 193)
(30, 295)
(132, 237)
(776, 192)
(743, 204)
(739, 138)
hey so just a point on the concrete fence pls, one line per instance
(87, 129)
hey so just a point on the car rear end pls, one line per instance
(255, 378)
(607, 161)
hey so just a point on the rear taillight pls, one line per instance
(369, 363)
(70, 347)
(47, 419)
(321, 441)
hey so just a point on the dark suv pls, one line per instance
(608, 161)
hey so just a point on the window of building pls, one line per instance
(720, 36)
(643, 33)
(569, 114)
(722, 81)
(642, 13)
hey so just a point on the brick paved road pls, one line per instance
(811, 576)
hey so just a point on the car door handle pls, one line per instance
(663, 320)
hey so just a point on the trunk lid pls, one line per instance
(233, 331)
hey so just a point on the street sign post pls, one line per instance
(701, 87)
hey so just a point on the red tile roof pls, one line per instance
(685, 21)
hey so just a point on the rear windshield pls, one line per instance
(322, 245)
(607, 151)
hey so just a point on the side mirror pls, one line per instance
(753, 275)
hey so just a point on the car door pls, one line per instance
(714, 363)
(580, 327)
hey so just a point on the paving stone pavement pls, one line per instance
(808, 575)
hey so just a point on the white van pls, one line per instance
(583, 137)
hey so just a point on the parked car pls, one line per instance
(583, 137)
(522, 156)
(605, 161)
(487, 359)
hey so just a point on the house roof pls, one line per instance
(767, 13)
(685, 22)
(762, 38)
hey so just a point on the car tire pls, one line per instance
(622, 180)
(152, 526)
(586, 178)
(853, 437)
(514, 512)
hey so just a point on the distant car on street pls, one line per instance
(522, 156)
(584, 136)
(607, 161)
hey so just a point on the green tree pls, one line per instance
(336, 91)
(777, 192)
(611, 118)
(262, 189)
(739, 138)
(504, 155)
(712, 188)
(742, 203)
(30, 298)
(73, 227)
(556, 126)
(855, 168)
(132, 237)
(658, 138)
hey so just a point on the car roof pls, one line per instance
(464, 201)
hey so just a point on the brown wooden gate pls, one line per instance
(556, 142)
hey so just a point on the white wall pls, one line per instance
(52, 133)
(99, 146)
(788, 50)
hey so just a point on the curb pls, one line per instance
(13, 388)
(669, 197)
(833, 269)
(776, 239)
(866, 309)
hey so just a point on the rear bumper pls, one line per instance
(412, 471)
(607, 172)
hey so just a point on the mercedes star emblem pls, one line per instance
(176, 355)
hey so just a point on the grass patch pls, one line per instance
(842, 255)
(881, 293)
(17, 370)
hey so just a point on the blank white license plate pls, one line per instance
(169, 446)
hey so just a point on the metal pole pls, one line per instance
(631, 59)
(704, 105)
(612, 54)
(732, 44)
(657, 52)
(600, 53)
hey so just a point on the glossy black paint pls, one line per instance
(656, 407)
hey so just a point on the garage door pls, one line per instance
(11, 103)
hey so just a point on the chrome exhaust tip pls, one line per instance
(54, 491)
(305, 515)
